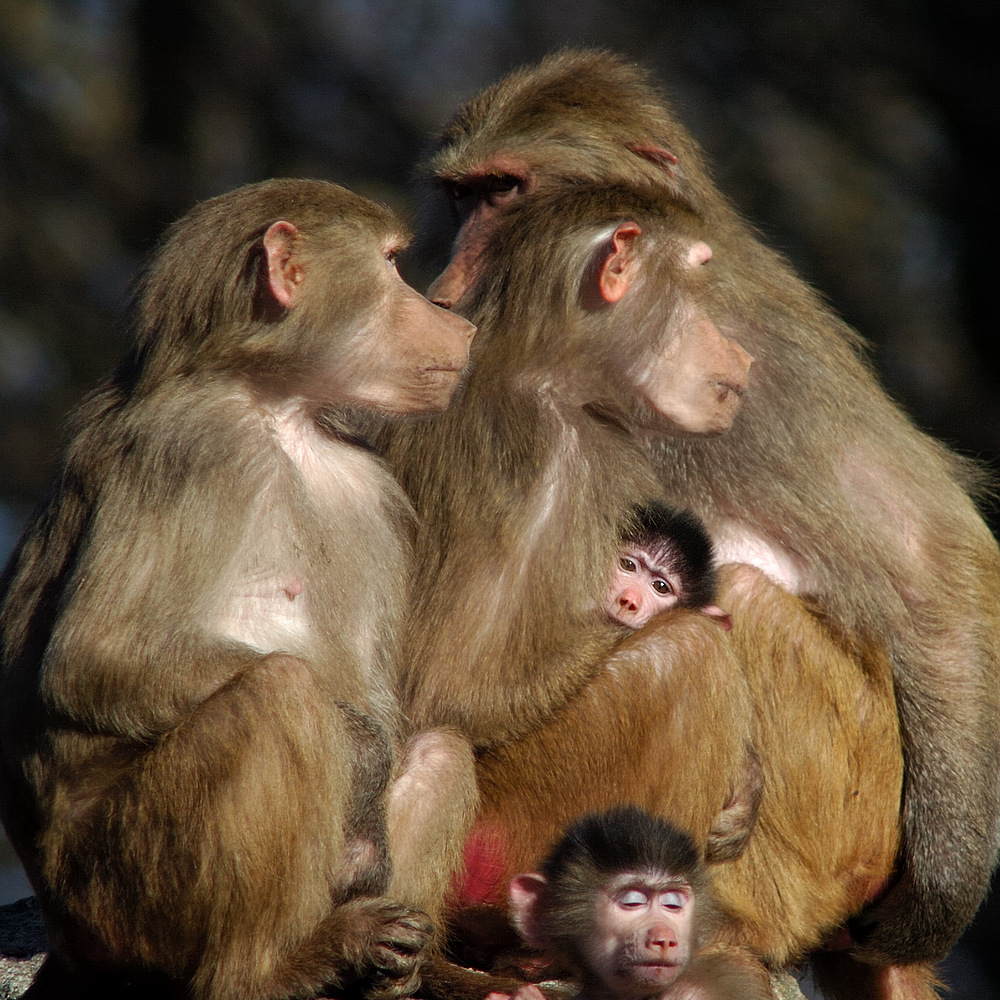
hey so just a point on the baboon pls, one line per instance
(665, 561)
(625, 899)
(822, 481)
(776, 750)
(199, 627)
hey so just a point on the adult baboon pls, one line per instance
(523, 484)
(198, 628)
(822, 482)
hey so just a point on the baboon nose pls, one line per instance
(441, 291)
(628, 602)
(662, 938)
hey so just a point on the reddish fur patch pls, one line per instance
(485, 863)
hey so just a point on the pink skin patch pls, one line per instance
(483, 877)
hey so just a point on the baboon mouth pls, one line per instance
(655, 969)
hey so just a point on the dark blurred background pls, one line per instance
(860, 137)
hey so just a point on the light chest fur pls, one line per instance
(321, 546)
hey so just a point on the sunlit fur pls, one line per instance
(774, 749)
(199, 632)
(831, 486)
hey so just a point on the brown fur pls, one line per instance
(826, 830)
(727, 975)
(542, 435)
(873, 516)
(199, 627)
(678, 717)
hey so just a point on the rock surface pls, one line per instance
(23, 944)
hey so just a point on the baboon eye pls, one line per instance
(502, 188)
(493, 189)
(458, 192)
(627, 564)
(673, 900)
(632, 898)
(662, 587)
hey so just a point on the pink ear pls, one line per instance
(698, 253)
(525, 894)
(618, 268)
(659, 155)
(284, 271)
(724, 619)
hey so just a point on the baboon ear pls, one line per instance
(525, 894)
(724, 619)
(660, 156)
(619, 264)
(698, 253)
(284, 269)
